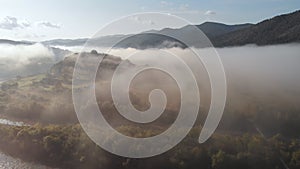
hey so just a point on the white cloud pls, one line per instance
(165, 3)
(183, 7)
(142, 21)
(185, 12)
(209, 12)
(11, 23)
(49, 24)
(143, 8)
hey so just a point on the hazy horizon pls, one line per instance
(19, 22)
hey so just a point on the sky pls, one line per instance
(51, 19)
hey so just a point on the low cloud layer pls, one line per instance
(266, 77)
(23, 53)
(24, 60)
(273, 70)
(260, 69)
(259, 79)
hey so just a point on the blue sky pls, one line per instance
(48, 19)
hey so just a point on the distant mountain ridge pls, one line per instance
(211, 29)
(65, 42)
(12, 42)
(151, 39)
(277, 30)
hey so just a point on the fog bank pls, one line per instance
(22, 60)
